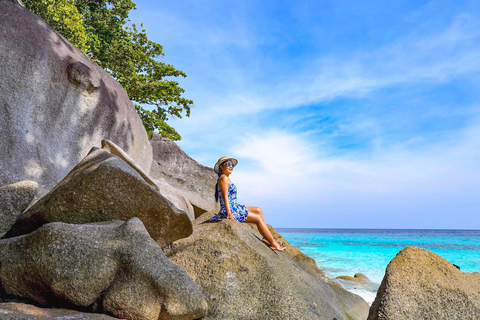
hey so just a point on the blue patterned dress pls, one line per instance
(239, 211)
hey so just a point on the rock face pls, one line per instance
(14, 198)
(56, 104)
(112, 148)
(181, 179)
(114, 267)
(419, 284)
(242, 278)
(22, 311)
(103, 187)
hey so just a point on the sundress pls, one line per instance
(239, 211)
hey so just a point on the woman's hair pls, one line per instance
(218, 179)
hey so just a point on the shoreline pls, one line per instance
(340, 252)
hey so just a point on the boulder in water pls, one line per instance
(357, 278)
(419, 284)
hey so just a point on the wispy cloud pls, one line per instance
(425, 59)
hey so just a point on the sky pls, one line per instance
(342, 114)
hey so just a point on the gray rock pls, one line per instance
(22, 311)
(103, 187)
(14, 199)
(112, 148)
(15, 1)
(161, 186)
(242, 278)
(113, 267)
(419, 284)
(176, 197)
(56, 104)
(180, 178)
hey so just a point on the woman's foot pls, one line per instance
(277, 247)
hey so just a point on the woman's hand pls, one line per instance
(230, 216)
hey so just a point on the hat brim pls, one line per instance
(216, 168)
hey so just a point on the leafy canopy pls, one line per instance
(101, 29)
(64, 17)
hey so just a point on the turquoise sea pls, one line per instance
(368, 251)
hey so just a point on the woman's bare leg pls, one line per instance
(257, 218)
(259, 211)
(256, 210)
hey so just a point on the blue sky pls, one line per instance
(342, 114)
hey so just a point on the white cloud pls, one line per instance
(285, 168)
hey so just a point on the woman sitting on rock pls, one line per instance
(231, 209)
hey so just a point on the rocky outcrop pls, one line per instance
(112, 148)
(181, 179)
(242, 278)
(103, 187)
(357, 278)
(14, 198)
(22, 311)
(56, 104)
(114, 267)
(419, 284)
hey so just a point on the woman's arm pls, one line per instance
(224, 184)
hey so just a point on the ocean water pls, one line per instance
(368, 251)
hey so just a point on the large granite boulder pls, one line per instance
(242, 278)
(111, 267)
(56, 104)
(14, 198)
(104, 187)
(181, 179)
(22, 311)
(419, 284)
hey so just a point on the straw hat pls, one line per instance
(216, 168)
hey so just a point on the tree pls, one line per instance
(123, 51)
(64, 17)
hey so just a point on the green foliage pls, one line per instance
(152, 121)
(64, 17)
(126, 53)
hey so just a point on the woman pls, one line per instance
(231, 209)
